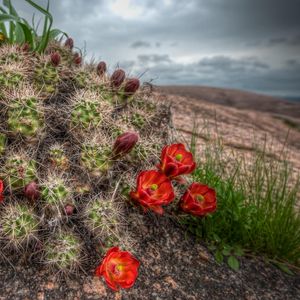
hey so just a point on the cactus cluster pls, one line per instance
(25, 117)
(71, 137)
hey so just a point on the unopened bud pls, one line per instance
(55, 59)
(101, 68)
(69, 209)
(117, 78)
(131, 86)
(31, 191)
(69, 43)
(77, 59)
(125, 143)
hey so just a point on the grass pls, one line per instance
(256, 204)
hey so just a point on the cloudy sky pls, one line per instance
(246, 44)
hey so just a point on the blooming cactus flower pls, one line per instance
(131, 86)
(125, 143)
(1, 191)
(119, 269)
(101, 68)
(55, 59)
(69, 43)
(199, 200)
(117, 78)
(176, 161)
(153, 190)
(31, 191)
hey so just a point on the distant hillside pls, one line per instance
(236, 98)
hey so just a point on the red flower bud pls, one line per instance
(131, 86)
(31, 191)
(55, 59)
(125, 143)
(119, 269)
(69, 209)
(101, 68)
(1, 191)
(69, 43)
(25, 47)
(117, 78)
(77, 59)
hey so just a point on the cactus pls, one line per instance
(95, 159)
(10, 78)
(73, 161)
(46, 77)
(19, 224)
(25, 117)
(55, 194)
(101, 218)
(2, 143)
(64, 252)
(19, 170)
(58, 157)
(86, 115)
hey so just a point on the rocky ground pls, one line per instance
(173, 264)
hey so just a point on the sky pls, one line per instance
(245, 44)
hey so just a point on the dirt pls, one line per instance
(173, 266)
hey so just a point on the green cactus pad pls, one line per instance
(64, 251)
(18, 172)
(18, 223)
(10, 79)
(2, 143)
(46, 77)
(25, 117)
(101, 217)
(58, 158)
(95, 160)
(55, 195)
(86, 115)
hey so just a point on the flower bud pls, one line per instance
(31, 191)
(117, 78)
(25, 47)
(69, 43)
(125, 143)
(69, 209)
(101, 68)
(77, 59)
(131, 86)
(55, 59)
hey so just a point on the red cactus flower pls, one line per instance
(176, 161)
(31, 191)
(101, 68)
(125, 143)
(119, 269)
(77, 59)
(153, 190)
(131, 86)
(69, 43)
(55, 59)
(199, 200)
(1, 191)
(117, 78)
